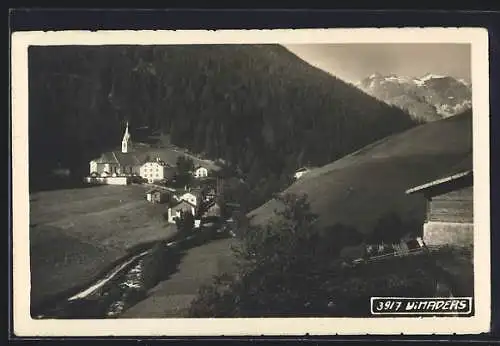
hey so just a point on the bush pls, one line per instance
(290, 267)
(277, 265)
(185, 224)
(388, 229)
(154, 265)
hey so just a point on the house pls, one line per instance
(175, 211)
(212, 209)
(449, 219)
(194, 197)
(117, 163)
(300, 172)
(156, 170)
(157, 196)
(200, 172)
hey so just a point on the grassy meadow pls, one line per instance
(77, 233)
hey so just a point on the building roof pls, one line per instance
(158, 161)
(123, 159)
(440, 181)
(126, 135)
(194, 192)
(212, 203)
(178, 204)
(157, 190)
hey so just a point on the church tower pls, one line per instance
(126, 142)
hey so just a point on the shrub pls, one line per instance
(274, 267)
(291, 267)
(185, 224)
(153, 265)
(388, 229)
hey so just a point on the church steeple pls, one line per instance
(126, 143)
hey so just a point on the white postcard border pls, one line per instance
(25, 326)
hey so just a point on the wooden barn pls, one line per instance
(450, 217)
(157, 196)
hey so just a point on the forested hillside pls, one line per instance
(258, 107)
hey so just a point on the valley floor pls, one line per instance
(76, 234)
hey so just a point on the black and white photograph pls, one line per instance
(221, 182)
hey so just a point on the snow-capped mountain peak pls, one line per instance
(430, 97)
(464, 82)
(375, 75)
(429, 76)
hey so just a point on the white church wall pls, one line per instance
(93, 167)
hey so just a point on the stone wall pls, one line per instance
(447, 233)
(108, 180)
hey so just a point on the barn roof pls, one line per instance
(440, 181)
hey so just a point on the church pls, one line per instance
(118, 163)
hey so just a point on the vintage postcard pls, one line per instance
(253, 182)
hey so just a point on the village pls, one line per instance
(196, 192)
(185, 188)
(189, 192)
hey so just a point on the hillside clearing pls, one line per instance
(75, 234)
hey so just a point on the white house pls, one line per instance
(194, 197)
(183, 206)
(300, 172)
(154, 170)
(200, 172)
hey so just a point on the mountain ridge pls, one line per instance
(427, 98)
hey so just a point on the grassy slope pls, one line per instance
(358, 188)
(76, 233)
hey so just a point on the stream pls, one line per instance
(128, 282)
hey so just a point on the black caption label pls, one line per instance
(421, 306)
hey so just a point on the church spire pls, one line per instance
(126, 143)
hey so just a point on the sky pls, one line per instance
(352, 62)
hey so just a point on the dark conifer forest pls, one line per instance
(258, 107)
